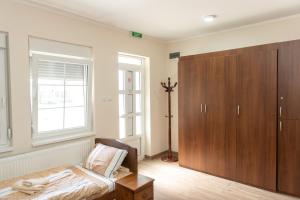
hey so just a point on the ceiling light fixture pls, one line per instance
(209, 18)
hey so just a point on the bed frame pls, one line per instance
(131, 162)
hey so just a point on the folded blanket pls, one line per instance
(32, 186)
(37, 181)
(18, 186)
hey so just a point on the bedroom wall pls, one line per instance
(21, 20)
(279, 30)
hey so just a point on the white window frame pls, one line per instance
(65, 134)
(5, 129)
(135, 137)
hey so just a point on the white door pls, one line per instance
(131, 101)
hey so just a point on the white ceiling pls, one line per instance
(176, 19)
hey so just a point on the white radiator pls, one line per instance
(22, 164)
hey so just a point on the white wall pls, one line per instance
(268, 32)
(21, 21)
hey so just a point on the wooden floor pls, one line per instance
(176, 183)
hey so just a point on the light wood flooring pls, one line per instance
(176, 183)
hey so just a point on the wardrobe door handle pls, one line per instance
(238, 110)
(280, 126)
(280, 111)
(201, 108)
(205, 108)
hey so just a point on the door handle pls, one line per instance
(280, 111)
(201, 108)
(238, 110)
(280, 126)
(205, 108)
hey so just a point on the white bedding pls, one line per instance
(110, 182)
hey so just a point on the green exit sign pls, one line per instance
(136, 34)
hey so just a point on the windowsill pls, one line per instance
(6, 149)
(52, 140)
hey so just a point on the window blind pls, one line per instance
(75, 72)
(61, 98)
(52, 70)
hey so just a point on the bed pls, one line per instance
(88, 185)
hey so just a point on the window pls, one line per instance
(131, 96)
(5, 132)
(61, 97)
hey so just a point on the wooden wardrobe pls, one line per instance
(230, 107)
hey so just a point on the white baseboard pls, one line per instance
(73, 153)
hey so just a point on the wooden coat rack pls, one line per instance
(169, 88)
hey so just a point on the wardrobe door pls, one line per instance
(289, 118)
(221, 116)
(192, 87)
(289, 80)
(257, 120)
(289, 157)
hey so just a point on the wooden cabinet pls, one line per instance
(134, 187)
(228, 115)
(257, 119)
(192, 123)
(289, 118)
(289, 80)
(207, 109)
(239, 115)
(221, 116)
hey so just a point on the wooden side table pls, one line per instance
(135, 187)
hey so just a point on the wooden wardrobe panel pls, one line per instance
(192, 83)
(221, 116)
(289, 157)
(257, 120)
(289, 104)
(289, 80)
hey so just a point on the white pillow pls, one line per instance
(105, 160)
